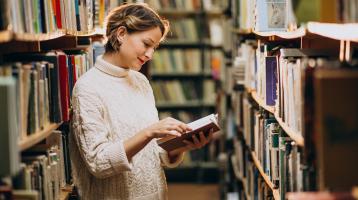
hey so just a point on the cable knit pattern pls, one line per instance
(110, 105)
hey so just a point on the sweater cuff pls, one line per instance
(166, 161)
(118, 157)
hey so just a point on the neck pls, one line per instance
(113, 59)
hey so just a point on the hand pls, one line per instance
(166, 127)
(196, 144)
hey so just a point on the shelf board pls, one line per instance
(334, 31)
(37, 137)
(65, 192)
(261, 102)
(242, 31)
(214, 12)
(95, 32)
(294, 135)
(298, 138)
(258, 165)
(298, 33)
(5, 36)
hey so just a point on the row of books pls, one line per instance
(314, 94)
(192, 5)
(264, 15)
(184, 92)
(43, 170)
(44, 86)
(243, 168)
(186, 29)
(176, 61)
(189, 5)
(195, 30)
(40, 16)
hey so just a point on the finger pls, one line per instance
(177, 128)
(203, 140)
(196, 142)
(173, 132)
(210, 137)
(185, 127)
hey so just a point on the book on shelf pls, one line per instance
(9, 153)
(203, 124)
(271, 16)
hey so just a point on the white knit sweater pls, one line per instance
(110, 105)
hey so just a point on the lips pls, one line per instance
(141, 61)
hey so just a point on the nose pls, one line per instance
(149, 53)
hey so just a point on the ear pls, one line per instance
(121, 32)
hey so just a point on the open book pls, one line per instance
(204, 124)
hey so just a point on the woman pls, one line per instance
(115, 123)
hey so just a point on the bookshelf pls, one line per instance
(35, 138)
(348, 32)
(294, 113)
(293, 135)
(258, 165)
(259, 101)
(30, 53)
(186, 62)
(298, 33)
(297, 137)
(65, 192)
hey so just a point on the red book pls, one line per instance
(64, 87)
(74, 68)
(57, 7)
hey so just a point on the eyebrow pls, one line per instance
(150, 39)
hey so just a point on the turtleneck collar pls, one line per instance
(110, 69)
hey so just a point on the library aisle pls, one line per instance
(282, 75)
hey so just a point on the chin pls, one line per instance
(137, 68)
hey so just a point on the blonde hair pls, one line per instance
(134, 17)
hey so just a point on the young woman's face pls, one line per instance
(138, 47)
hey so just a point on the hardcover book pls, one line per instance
(204, 125)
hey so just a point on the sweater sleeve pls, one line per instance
(164, 158)
(103, 157)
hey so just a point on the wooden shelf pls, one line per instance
(298, 33)
(242, 31)
(294, 136)
(298, 138)
(65, 192)
(37, 137)
(5, 36)
(261, 102)
(334, 31)
(258, 165)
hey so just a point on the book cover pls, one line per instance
(203, 124)
(271, 80)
